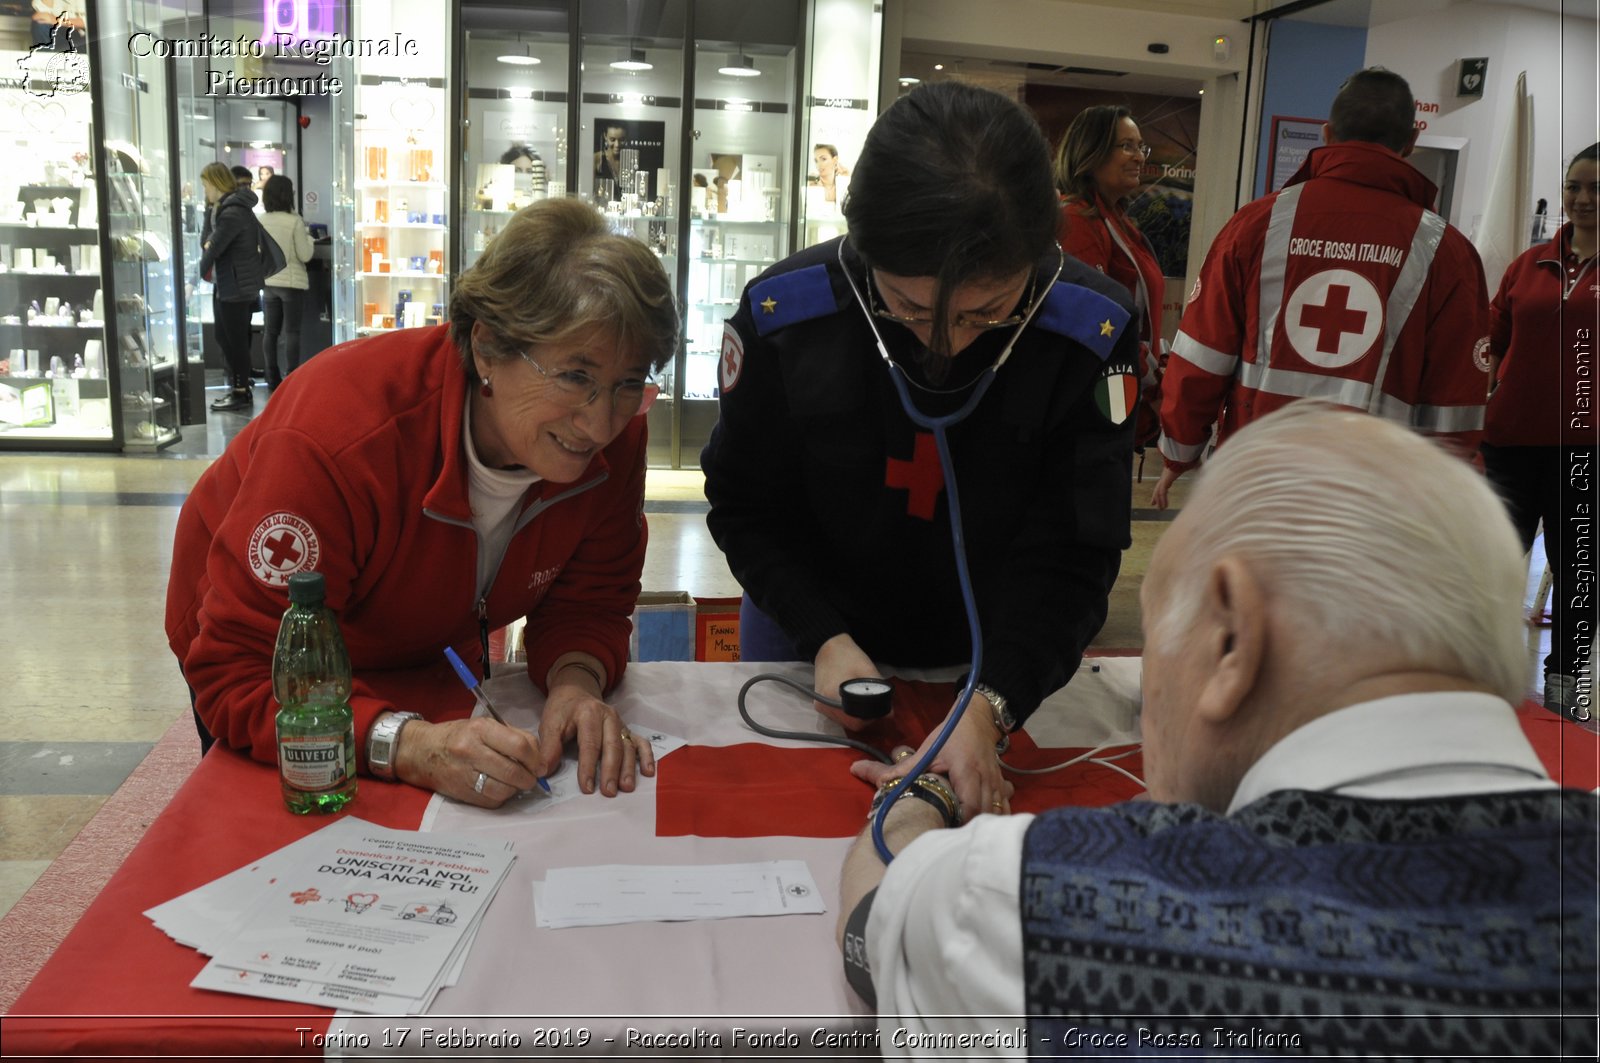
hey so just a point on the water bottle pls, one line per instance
(311, 680)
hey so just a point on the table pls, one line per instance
(119, 986)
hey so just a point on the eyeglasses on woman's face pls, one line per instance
(1133, 147)
(976, 322)
(576, 388)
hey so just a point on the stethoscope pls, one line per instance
(938, 426)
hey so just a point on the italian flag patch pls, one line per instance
(1116, 393)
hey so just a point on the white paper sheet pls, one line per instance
(623, 893)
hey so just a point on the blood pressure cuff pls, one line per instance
(857, 971)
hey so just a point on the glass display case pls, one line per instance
(88, 329)
(629, 149)
(197, 145)
(841, 104)
(55, 378)
(139, 227)
(400, 207)
(515, 98)
(739, 195)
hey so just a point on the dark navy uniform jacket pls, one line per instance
(830, 505)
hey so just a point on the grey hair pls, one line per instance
(1371, 538)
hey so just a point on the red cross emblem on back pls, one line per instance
(1333, 318)
(922, 477)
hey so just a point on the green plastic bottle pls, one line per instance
(311, 680)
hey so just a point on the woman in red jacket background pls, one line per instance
(1098, 168)
(1539, 431)
(446, 481)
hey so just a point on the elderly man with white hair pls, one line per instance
(1350, 846)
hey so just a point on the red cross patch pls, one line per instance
(282, 545)
(922, 477)
(732, 357)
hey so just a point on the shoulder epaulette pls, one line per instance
(1084, 315)
(787, 298)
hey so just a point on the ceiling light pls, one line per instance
(632, 59)
(741, 67)
(1202, 92)
(938, 66)
(259, 116)
(907, 82)
(519, 58)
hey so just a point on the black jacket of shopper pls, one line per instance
(231, 252)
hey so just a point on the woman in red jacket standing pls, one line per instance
(1098, 168)
(1539, 431)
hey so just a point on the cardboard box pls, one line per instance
(677, 626)
(716, 629)
(663, 627)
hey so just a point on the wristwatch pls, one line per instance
(1004, 722)
(382, 741)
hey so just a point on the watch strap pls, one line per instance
(1000, 714)
(382, 741)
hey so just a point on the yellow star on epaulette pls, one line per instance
(769, 305)
(1106, 327)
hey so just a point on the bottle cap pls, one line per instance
(306, 588)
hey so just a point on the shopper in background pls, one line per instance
(1099, 167)
(286, 290)
(230, 259)
(446, 481)
(1344, 285)
(243, 177)
(829, 500)
(1540, 426)
(1348, 835)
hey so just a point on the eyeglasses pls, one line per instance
(576, 389)
(961, 321)
(1133, 147)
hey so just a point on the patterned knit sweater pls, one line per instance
(1310, 923)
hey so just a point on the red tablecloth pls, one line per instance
(118, 986)
(812, 793)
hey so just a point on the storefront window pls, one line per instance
(515, 100)
(399, 205)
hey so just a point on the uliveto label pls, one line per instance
(312, 762)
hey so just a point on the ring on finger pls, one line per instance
(477, 787)
(626, 736)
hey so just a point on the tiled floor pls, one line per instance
(89, 684)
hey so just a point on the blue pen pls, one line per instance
(482, 698)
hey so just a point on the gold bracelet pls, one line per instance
(928, 782)
(599, 680)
